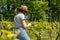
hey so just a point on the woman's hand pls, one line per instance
(29, 24)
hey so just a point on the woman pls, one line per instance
(20, 22)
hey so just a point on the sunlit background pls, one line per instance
(44, 15)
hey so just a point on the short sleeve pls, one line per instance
(22, 16)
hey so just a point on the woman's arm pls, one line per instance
(25, 24)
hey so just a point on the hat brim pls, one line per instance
(23, 9)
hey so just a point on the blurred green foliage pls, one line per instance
(38, 30)
(7, 31)
(39, 10)
(54, 6)
(45, 10)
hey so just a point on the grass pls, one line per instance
(42, 39)
(46, 39)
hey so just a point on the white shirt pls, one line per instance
(18, 20)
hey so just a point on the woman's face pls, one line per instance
(24, 12)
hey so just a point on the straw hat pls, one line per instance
(24, 8)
